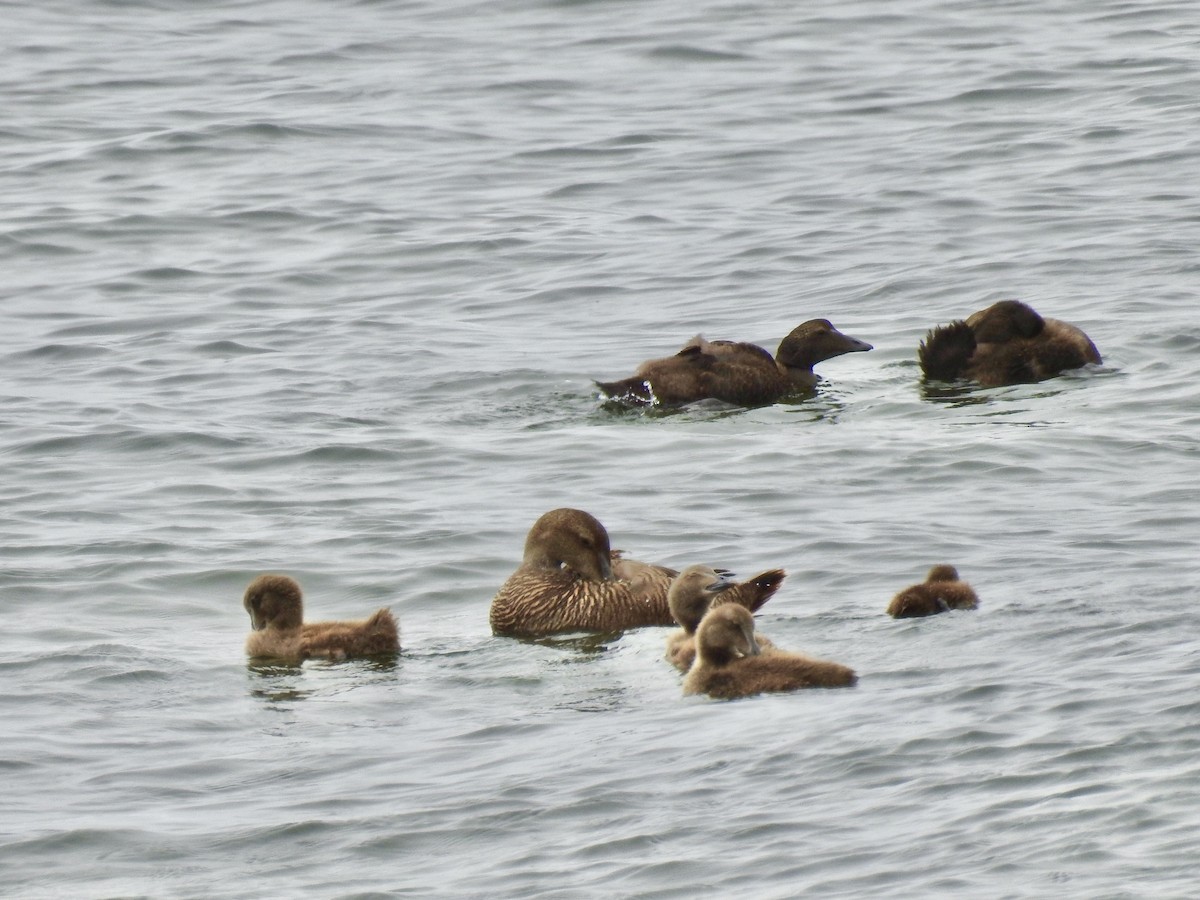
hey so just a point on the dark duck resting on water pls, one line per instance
(740, 373)
(941, 592)
(570, 579)
(693, 592)
(276, 609)
(1007, 343)
(729, 663)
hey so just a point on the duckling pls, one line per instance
(1006, 343)
(739, 373)
(570, 579)
(276, 608)
(729, 665)
(941, 591)
(692, 593)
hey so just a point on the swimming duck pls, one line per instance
(941, 591)
(729, 665)
(740, 373)
(1006, 343)
(570, 579)
(276, 608)
(692, 593)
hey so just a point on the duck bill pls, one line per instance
(723, 583)
(854, 345)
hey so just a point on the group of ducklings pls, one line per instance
(570, 579)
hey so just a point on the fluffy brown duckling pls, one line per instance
(570, 579)
(729, 664)
(941, 592)
(1006, 343)
(692, 593)
(740, 373)
(276, 608)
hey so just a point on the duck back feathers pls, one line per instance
(537, 602)
(1006, 343)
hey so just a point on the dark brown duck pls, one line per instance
(941, 592)
(693, 592)
(276, 608)
(570, 579)
(740, 373)
(729, 665)
(1006, 343)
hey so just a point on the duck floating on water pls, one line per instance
(693, 592)
(570, 579)
(1006, 343)
(739, 373)
(276, 608)
(729, 663)
(941, 592)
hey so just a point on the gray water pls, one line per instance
(320, 288)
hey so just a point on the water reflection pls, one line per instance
(815, 405)
(280, 681)
(955, 394)
(586, 645)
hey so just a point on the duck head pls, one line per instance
(1006, 320)
(571, 538)
(814, 341)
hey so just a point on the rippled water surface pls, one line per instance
(322, 288)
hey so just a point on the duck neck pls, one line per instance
(801, 375)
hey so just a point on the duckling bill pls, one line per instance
(570, 579)
(1006, 343)
(276, 607)
(739, 373)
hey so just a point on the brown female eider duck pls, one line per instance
(740, 373)
(941, 592)
(693, 592)
(570, 579)
(728, 664)
(1007, 343)
(276, 608)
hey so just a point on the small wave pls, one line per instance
(690, 53)
(230, 348)
(575, 190)
(64, 352)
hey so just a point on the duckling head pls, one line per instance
(725, 633)
(942, 573)
(692, 593)
(274, 600)
(571, 538)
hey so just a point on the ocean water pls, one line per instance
(321, 288)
